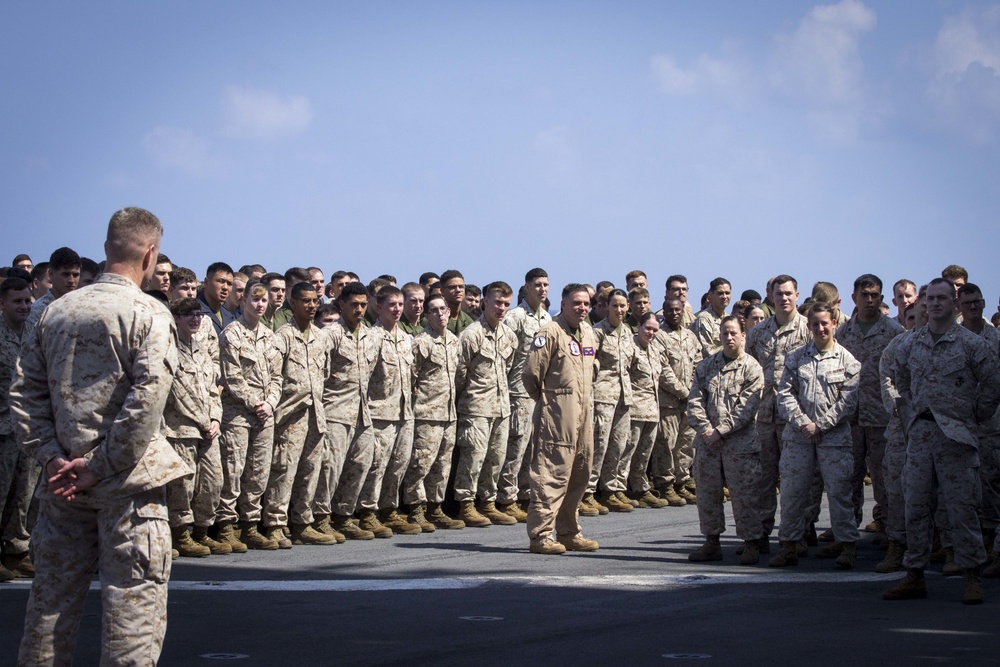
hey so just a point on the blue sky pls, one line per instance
(590, 138)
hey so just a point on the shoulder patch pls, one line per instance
(539, 341)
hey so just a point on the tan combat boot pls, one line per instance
(786, 556)
(578, 543)
(625, 499)
(546, 547)
(6, 575)
(611, 500)
(200, 535)
(349, 528)
(471, 517)
(583, 509)
(186, 547)
(322, 525)
(652, 500)
(686, 494)
(710, 550)
(511, 509)
(368, 520)
(590, 500)
(950, 569)
(305, 534)
(893, 561)
(831, 550)
(751, 553)
(973, 587)
(912, 587)
(227, 534)
(488, 509)
(418, 518)
(250, 536)
(669, 493)
(392, 520)
(19, 565)
(277, 534)
(848, 554)
(437, 516)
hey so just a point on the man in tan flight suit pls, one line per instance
(559, 375)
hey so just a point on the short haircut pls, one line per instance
(817, 307)
(296, 274)
(902, 282)
(251, 269)
(268, 278)
(20, 258)
(868, 280)
(313, 269)
(732, 318)
(574, 287)
(130, 233)
(939, 281)
(376, 285)
(337, 275)
(638, 293)
(473, 290)
(18, 272)
(184, 306)
(781, 280)
(353, 276)
(603, 285)
(301, 288)
(163, 259)
(351, 289)
(531, 275)
(669, 298)
(218, 267)
(825, 292)
(39, 270)
(676, 278)
(180, 275)
(633, 274)
(969, 288)
(242, 277)
(737, 308)
(13, 284)
(451, 274)
(953, 271)
(386, 292)
(750, 295)
(413, 288)
(428, 277)
(717, 283)
(389, 279)
(63, 258)
(326, 308)
(499, 287)
(435, 297)
(87, 265)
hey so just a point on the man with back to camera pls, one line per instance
(103, 507)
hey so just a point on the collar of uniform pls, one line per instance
(781, 328)
(113, 279)
(575, 335)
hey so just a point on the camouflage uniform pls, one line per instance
(989, 450)
(483, 408)
(672, 453)
(351, 446)
(612, 396)
(819, 388)
(644, 417)
(770, 343)
(111, 420)
(946, 387)
(706, 328)
(559, 375)
(893, 520)
(191, 408)
(299, 426)
(390, 400)
(525, 324)
(868, 426)
(251, 374)
(435, 361)
(18, 472)
(725, 394)
(37, 308)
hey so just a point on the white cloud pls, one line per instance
(966, 84)
(261, 114)
(724, 77)
(178, 148)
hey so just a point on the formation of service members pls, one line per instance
(307, 412)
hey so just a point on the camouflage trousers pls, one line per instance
(338, 440)
(672, 453)
(933, 463)
(611, 434)
(989, 475)
(393, 448)
(894, 518)
(127, 541)
(769, 435)
(715, 467)
(353, 453)
(642, 442)
(481, 443)
(799, 463)
(246, 466)
(512, 473)
(295, 465)
(559, 475)
(427, 475)
(193, 500)
(869, 450)
(18, 477)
